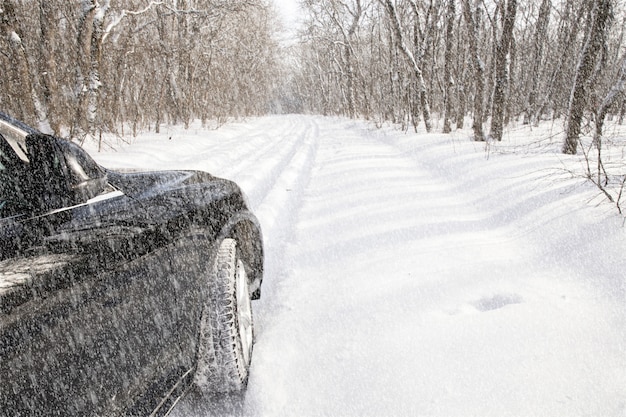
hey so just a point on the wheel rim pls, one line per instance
(244, 312)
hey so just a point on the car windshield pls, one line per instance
(15, 138)
(13, 170)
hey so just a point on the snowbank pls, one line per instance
(418, 274)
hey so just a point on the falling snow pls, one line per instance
(417, 274)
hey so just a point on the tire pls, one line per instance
(227, 336)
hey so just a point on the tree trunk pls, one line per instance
(531, 115)
(502, 71)
(599, 20)
(616, 92)
(90, 35)
(350, 87)
(447, 70)
(93, 111)
(395, 24)
(551, 96)
(175, 93)
(26, 97)
(461, 70)
(49, 81)
(349, 55)
(184, 64)
(85, 29)
(479, 70)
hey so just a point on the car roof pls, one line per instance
(11, 120)
(13, 133)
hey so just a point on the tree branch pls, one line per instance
(125, 13)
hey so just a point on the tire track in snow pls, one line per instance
(387, 291)
(277, 191)
(388, 273)
(256, 147)
(361, 198)
(277, 214)
(259, 175)
(282, 195)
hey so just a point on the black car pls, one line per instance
(118, 291)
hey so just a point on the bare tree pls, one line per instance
(598, 22)
(397, 29)
(471, 18)
(347, 34)
(462, 73)
(502, 70)
(598, 175)
(90, 66)
(22, 86)
(517, 57)
(447, 71)
(89, 41)
(539, 40)
(48, 62)
(615, 94)
(562, 50)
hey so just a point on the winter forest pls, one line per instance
(81, 68)
(440, 185)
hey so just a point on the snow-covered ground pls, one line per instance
(417, 274)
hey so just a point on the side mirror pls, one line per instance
(62, 173)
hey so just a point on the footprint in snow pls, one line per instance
(484, 304)
(497, 301)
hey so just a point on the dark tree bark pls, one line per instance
(349, 55)
(502, 71)
(89, 40)
(613, 96)
(531, 115)
(462, 74)
(559, 86)
(479, 70)
(599, 20)
(25, 95)
(447, 70)
(395, 24)
(175, 96)
(49, 82)
(184, 63)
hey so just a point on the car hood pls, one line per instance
(141, 184)
(152, 203)
(152, 210)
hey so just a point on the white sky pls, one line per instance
(289, 11)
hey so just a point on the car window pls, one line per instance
(13, 179)
(80, 168)
(46, 174)
(15, 138)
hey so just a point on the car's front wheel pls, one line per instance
(227, 333)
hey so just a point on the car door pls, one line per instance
(96, 317)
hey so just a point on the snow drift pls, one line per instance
(418, 274)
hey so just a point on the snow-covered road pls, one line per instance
(414, 274)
